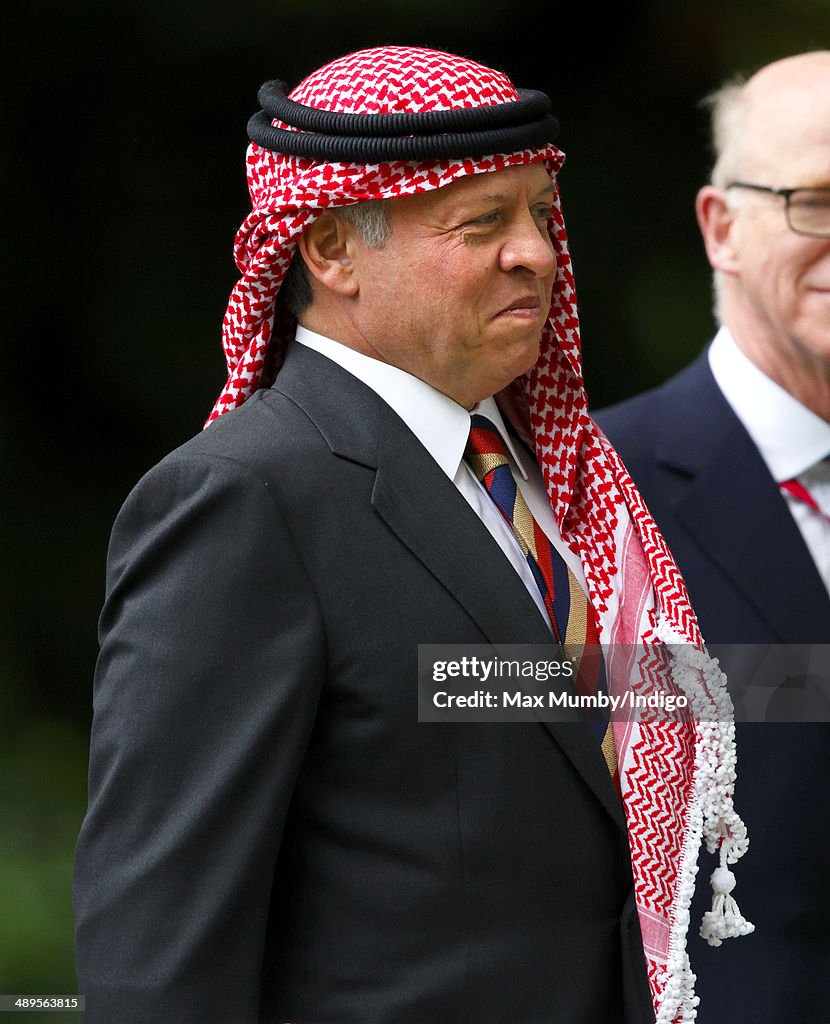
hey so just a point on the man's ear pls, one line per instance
(327, 247)
(717, 226)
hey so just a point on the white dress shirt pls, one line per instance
(791, 439)
(443, 426)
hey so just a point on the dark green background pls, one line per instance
(123, 180)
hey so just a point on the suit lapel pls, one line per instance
(734, 509)
(465, 559)
(421, 505)
(427, 513)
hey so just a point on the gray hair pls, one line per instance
(372, 222)
(726, 119)
(726, 113)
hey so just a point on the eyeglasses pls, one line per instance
(807, 209)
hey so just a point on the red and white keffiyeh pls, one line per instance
(677, 777)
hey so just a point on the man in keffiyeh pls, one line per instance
(272, 835)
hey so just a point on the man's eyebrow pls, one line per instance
(500, 197)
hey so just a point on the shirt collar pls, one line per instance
(789, 437)
(440, 424)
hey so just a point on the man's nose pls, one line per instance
(528, 245)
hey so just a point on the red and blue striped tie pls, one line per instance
(569, 610)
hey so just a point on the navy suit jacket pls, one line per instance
(272, 835)
(752, 581)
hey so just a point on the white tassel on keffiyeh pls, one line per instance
(724, 920)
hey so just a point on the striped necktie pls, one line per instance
(569, 610)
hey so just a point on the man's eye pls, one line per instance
(543, 212)
(486, 218)
(811, 201)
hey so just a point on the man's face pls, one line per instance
(783, 278)
(786, 279)
(459, 294)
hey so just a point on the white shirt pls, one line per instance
(790, 438)
(443, 426)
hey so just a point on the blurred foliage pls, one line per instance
(42, 796)
(122, 166)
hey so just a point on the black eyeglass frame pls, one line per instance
(787, 194)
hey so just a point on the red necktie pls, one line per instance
(569, 610)
(797, 489)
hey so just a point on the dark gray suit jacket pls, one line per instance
(271, 833)
(752, 581)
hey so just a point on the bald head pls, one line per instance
(775, 120)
